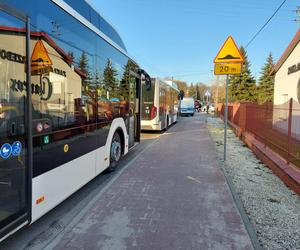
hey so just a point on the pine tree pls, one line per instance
(242, 87)
(110, 80)
(71, 56)
(234, 81)
(98, 79)
(192, 90)
(83, 65)
(127, 81)
(265, 89)
(197, 92)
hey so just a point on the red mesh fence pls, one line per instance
(277, 126)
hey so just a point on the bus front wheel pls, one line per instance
(115, 152)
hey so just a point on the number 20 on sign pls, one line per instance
(228, 68)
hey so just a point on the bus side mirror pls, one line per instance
(148, 84)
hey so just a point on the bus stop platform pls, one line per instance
(171, 196)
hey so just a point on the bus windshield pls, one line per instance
(147, 100)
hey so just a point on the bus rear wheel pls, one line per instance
(115, 152)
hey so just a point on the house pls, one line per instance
(287, 73)
(287, 87)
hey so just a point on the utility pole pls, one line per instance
(217, 92)
(226, 118)
(56, 29)
(297, 20)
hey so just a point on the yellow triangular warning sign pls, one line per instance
(40, 57)
(229, 53)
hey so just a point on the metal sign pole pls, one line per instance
(228, 61)
(226, 118)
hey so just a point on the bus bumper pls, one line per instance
(150, 125)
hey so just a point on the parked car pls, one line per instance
(211, 108)
(197, 106)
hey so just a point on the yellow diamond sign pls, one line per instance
(229, 53)
(40, 60)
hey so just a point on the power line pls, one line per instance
(184, 75)
(257, 33)
(192, 74)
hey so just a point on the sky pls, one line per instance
(180, 38)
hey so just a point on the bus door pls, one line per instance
(134, 109)
(14, 174)
(135, 99)
(162, 107)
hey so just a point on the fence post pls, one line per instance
(266, 120)
(290, 129)
(242, 118)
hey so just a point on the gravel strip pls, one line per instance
(273, 209)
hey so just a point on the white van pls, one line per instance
(187, 106)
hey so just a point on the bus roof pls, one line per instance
(167, 83)
(90, 12)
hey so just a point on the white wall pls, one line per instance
(287, 84)
(285, 88)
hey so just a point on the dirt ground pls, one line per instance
(273, 209)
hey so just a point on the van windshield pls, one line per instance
(187, 102)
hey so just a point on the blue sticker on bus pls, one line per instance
(16, 148)
(5, 151)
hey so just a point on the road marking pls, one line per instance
(193, 179)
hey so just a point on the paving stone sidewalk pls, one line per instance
(173, 196)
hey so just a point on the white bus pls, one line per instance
(159, 105)
(69, 104)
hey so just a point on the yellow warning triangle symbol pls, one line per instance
(229, 53)
(40, 57)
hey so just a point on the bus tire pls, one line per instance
(115, 152)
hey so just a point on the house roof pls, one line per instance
(287, 52)
(49, 40)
